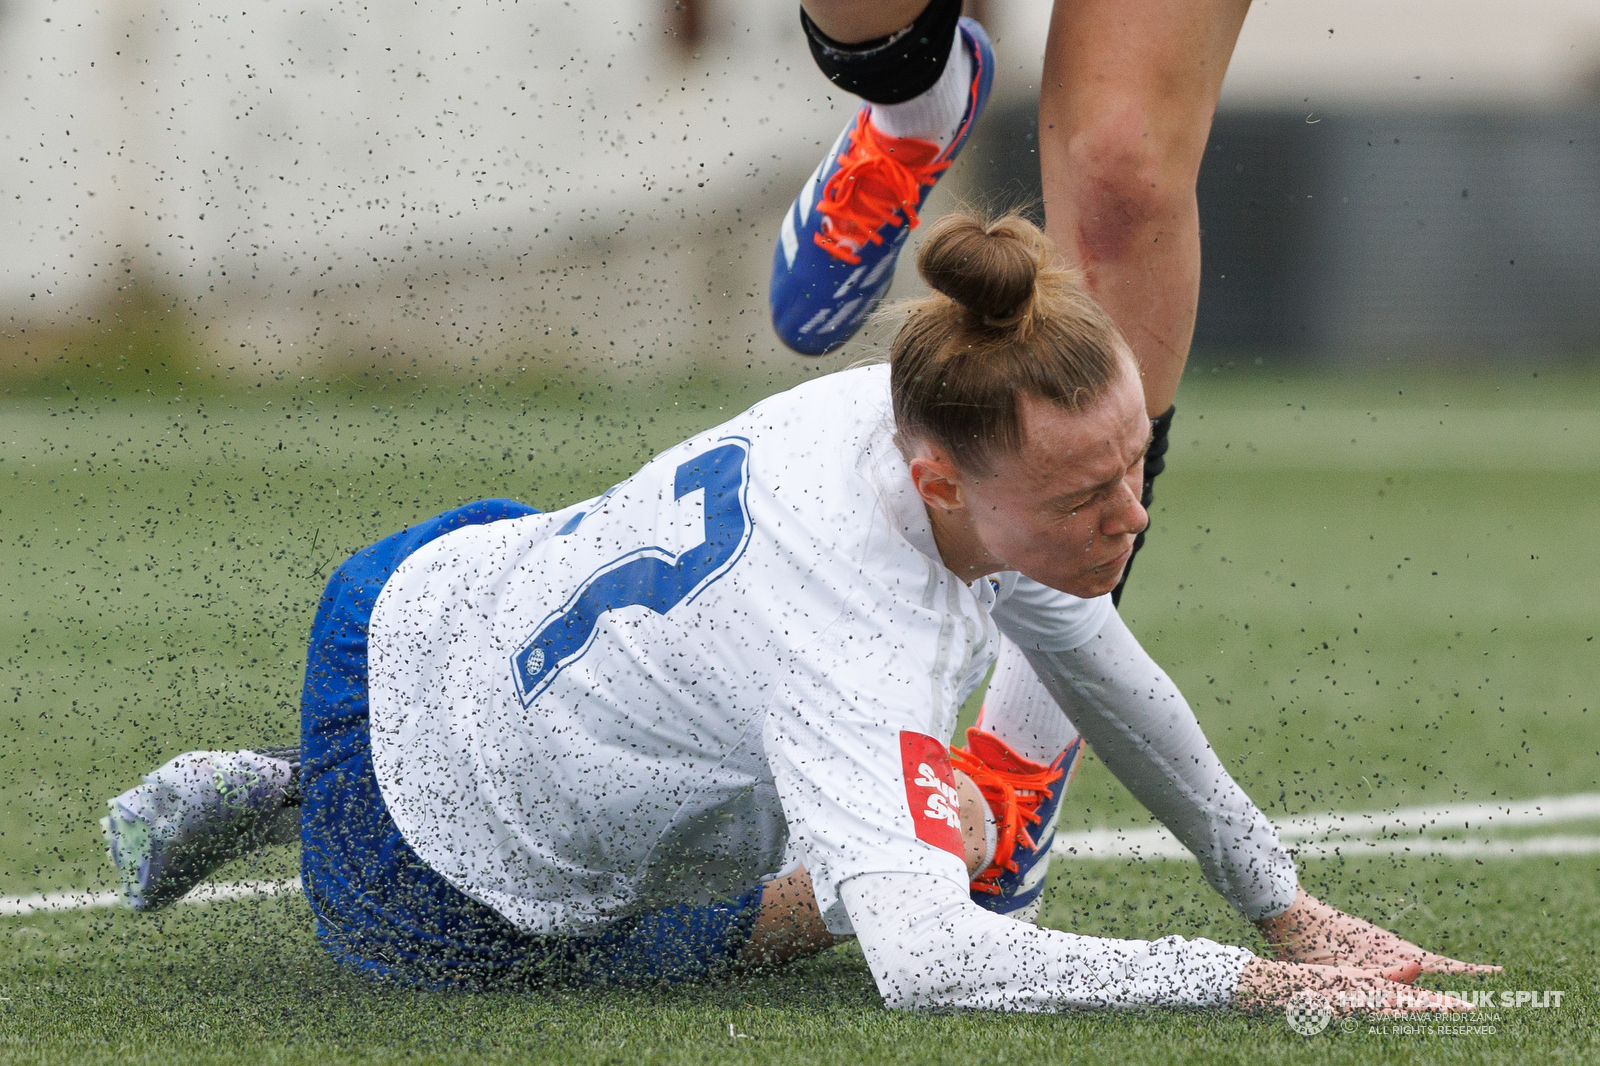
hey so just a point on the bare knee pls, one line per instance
(1128, 180)
(854, 21)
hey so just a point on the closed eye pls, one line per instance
(1068, 508)
(1072, 504)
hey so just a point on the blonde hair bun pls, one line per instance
(989, 268)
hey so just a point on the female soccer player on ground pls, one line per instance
(701, 721)
(1128, 92)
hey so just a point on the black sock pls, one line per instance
(892, 69)
(1155, 461)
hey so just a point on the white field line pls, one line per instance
(1400, 831)
(1456, 818)
(18, 906)
(1157, 843)
(1352, 833)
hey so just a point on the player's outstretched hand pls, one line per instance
(1311, 931)
(1267, 985)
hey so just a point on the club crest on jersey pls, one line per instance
(931, 794)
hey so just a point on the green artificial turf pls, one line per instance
(245, 982)
(1371, 598)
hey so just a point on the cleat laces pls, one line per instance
(879, 179)
(1014, 796)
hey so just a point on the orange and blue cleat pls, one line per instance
(1025, 798)
(840, 238)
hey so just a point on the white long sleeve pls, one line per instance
(930, 947)
(1142, 728)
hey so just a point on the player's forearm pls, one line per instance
(930, 947)
(1142, 728)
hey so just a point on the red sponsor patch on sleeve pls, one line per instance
(931, 792)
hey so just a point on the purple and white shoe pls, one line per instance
(195, 813)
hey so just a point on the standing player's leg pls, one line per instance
(1129, 90)
(925, 73)
(1128, 94)
(1019, 711)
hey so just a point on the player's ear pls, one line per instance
(938, 482)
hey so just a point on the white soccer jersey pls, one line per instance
(642, 700)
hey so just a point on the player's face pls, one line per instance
(1065, 509)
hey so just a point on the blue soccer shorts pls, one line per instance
(379, 908)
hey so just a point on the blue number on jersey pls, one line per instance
(647, 577)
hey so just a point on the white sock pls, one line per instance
(1019, 711)
(991, 836)
(936, 114)
(991, 825)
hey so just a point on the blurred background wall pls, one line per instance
(1389, 181)
(269, 191)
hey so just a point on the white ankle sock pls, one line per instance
(991, 836)
(991, 824)
(936, 114)
(1019, 711)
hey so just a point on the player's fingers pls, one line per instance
(1432, 963)
(1401, 964)
(1402, 971)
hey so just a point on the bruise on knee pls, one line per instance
(1129, 182)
